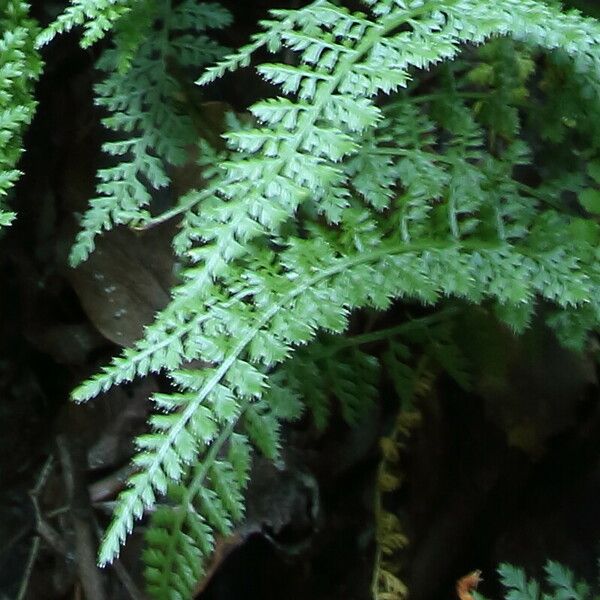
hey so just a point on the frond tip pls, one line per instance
(96, 16)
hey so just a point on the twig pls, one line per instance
(51, 537)
(35, 544)
(43, 477)
(33, 552)
(127, 581)
(81, 514)
(44, 529)
(187, 201)
(51, 514)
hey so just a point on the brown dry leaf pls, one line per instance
(465, 585)
(125, 281)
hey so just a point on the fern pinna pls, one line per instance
(354, 188)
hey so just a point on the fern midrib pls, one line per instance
(324, 92)
(194, 199)
(382, 334)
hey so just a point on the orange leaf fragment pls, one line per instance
(465, 585)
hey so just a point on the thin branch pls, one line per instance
(35, 545)
(81, 514)
(33, 552)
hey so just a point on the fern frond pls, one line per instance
(408, 201)
(144, 111)
(559, 579)
(97, 17)
(180, 535)
(562, 579)
(294, 158)
(320, 372)
(500, 272)
(20, 67)
(210, 499)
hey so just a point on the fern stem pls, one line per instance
(212, 454)
(381, 334)
(527, 189)
(184, 207)
(445, 96)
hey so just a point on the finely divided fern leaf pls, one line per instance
(141, 98)
(165, 454)
(560, 583)
(337, 198)
(20, 66)
(97, 17)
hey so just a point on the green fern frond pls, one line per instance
(338, 199)
(97, 17)
(180, 534)
(323, 371)
(501, 272)
(20, 66)
(144, 110)
(560, 583)
(282, 154)
(209, 501)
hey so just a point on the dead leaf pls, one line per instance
(465, 585)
